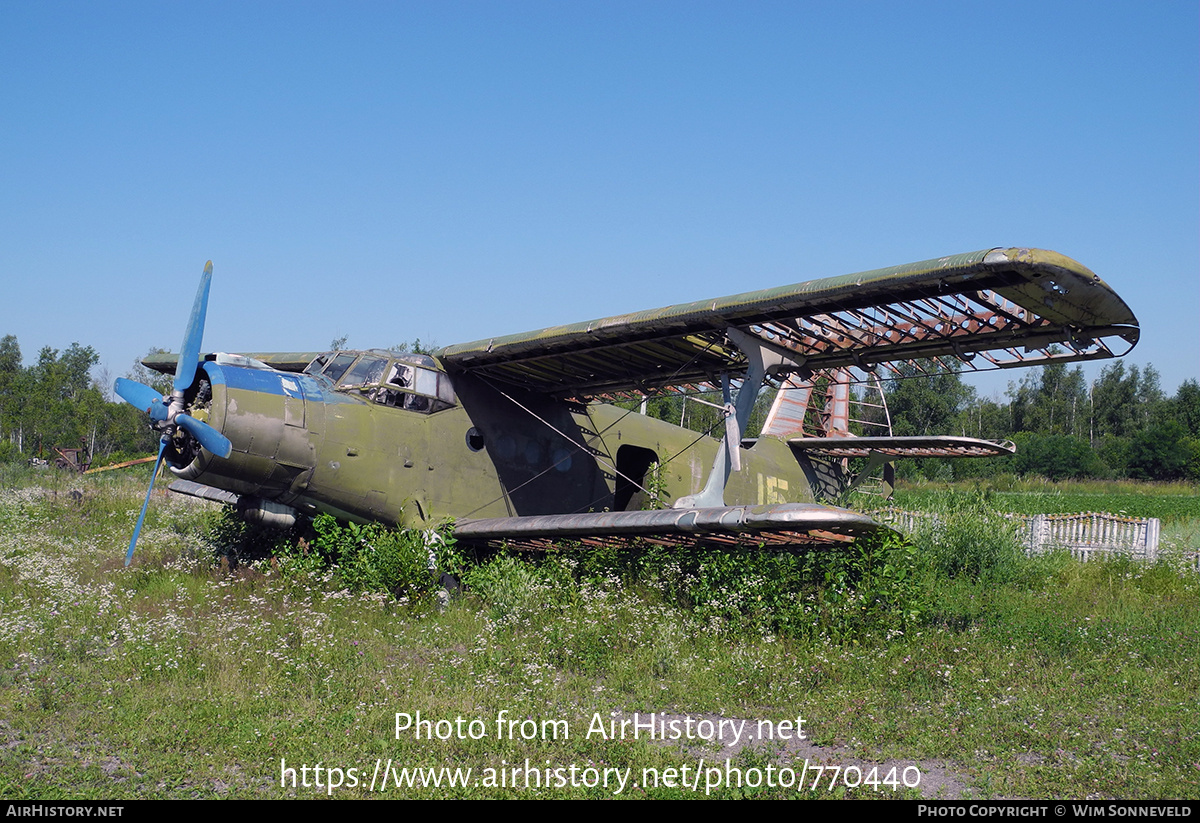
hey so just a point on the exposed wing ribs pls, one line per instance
(991, 309)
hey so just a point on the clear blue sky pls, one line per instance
(451, 171)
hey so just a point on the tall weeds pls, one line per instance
(185, 678)
(967, 538)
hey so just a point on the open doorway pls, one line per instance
(633, 463)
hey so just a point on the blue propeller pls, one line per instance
(140, 395)
(162, 445)
(167, 411)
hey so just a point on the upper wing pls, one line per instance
(996, 308)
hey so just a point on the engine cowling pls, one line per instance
(266, 416)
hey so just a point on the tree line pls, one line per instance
(55, 402)
(1120, 425)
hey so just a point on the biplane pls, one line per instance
(523, 439)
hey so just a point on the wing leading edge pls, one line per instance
(996, 308)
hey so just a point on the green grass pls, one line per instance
(1170, 502)
(1176, 505)
(177, 678)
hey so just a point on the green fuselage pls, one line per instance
(486, 452)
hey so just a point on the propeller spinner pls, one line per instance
(167, 412)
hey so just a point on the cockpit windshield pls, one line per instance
(337, 367)
(403, 382)
(368, 370)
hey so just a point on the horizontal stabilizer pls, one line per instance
(839, 447)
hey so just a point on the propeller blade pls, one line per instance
(136, 394)
(162, 445)
(189, 353)
(209, 437)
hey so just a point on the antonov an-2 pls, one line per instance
(512, 438)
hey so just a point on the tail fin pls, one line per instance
(823, 405)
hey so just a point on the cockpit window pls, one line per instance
(400, 375)
(406, 381)
(317, 364)
(426, 382)
(367, 371)
(411, 387)
(338, 366)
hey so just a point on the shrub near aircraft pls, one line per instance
(511, 436)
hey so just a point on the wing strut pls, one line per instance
(763, 360)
